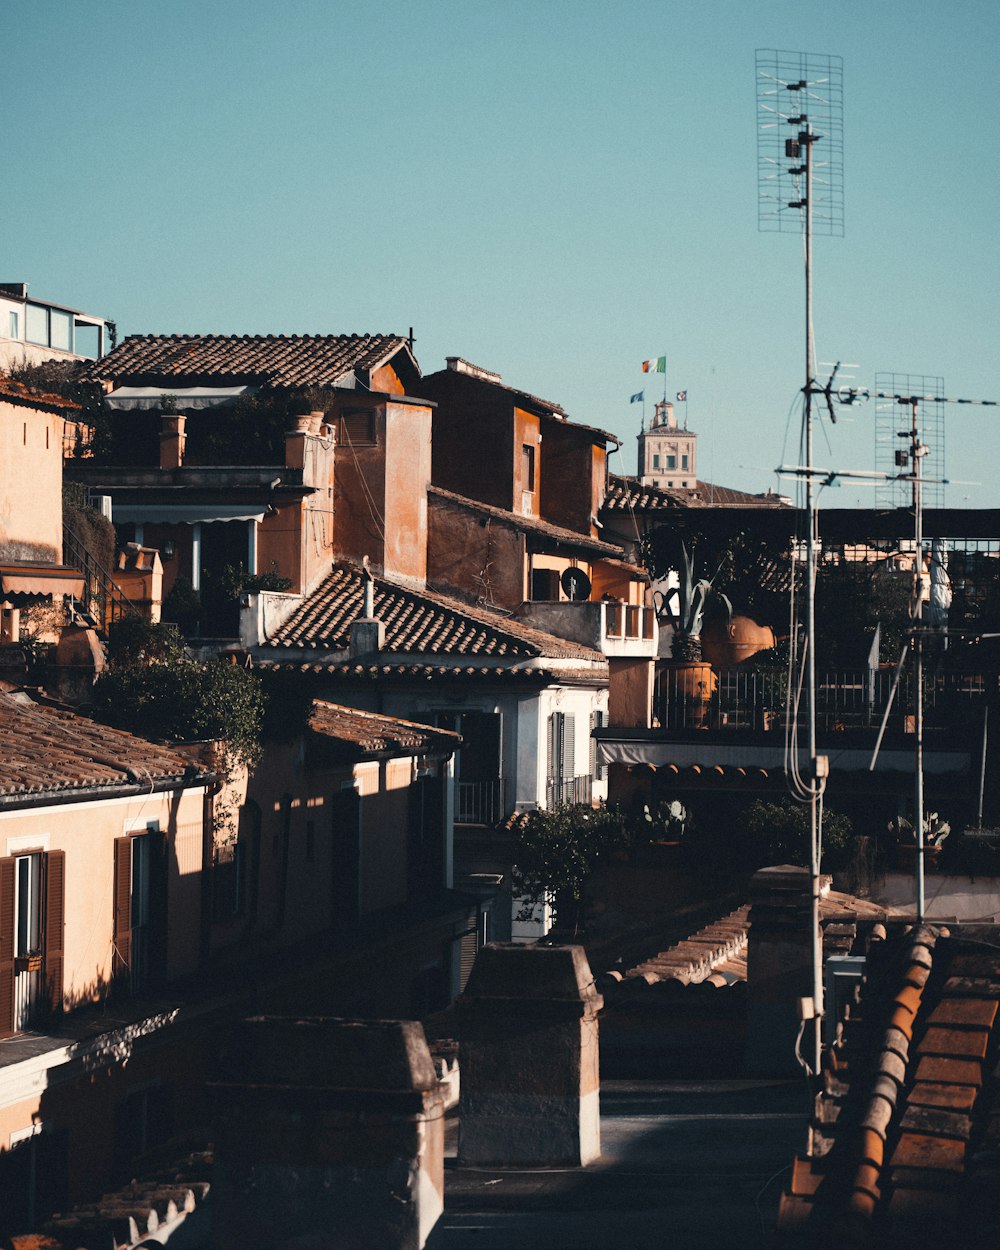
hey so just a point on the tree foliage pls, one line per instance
(778, 833)
(183, 701)
(558, 849)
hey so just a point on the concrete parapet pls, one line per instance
(328, 1131)
(527, 1025)
(779, 965)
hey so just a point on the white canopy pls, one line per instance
(186, 513)
(186, 396)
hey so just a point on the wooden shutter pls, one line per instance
(55, 924)
(568, 761)
(6, 947)
(122, 953)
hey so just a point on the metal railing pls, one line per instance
(577, 789)
(479, 802)
(755, 699)
(103, 598)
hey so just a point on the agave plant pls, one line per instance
(693, 595)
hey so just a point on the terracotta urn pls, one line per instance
(725, 646)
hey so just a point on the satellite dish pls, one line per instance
(575, 584)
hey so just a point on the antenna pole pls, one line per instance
(811, 529)
(918, 650)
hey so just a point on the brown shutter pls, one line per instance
(6, 947)
(122, 954)
(55, 922)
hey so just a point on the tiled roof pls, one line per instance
(523, 399)
(905, 1142)
(628, 494)
(531, 525)
(371, 732)
(18, 393)
(717, 954)
(277, 360)
(45, 751)
(417, 623)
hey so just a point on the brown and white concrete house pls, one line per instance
(33, 331)
(205, 506)
(127, 941)
(34, 430)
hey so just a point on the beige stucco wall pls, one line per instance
(30, 484)
(87, 832)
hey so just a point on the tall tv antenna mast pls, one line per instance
(800, 188)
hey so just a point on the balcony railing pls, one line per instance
(479, 802)
(568, 790)
(755, 699)
(628, 621)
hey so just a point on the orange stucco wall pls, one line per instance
(31, 452)
(526, 432)
(408, 474)
(574, 471)
(474, 555)
(87, 833)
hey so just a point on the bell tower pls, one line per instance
(667, 454)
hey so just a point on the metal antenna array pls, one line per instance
(892, 390)
(800, 187)
(800, 94)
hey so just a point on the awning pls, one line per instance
(123, 397)
(185, 513)
(708, 755)
(26, 583)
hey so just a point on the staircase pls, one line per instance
(104, 601)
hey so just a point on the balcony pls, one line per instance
(569, 790)
(480, 802)
(616, 629)
(755, 699)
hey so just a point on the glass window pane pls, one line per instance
(62, 331)
(37, 324)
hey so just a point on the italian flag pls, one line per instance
(659, 365)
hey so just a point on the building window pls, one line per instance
(560, 760)
(356, 428)
(15, 325)
(671, 462)
(36, 328)
(656, 459)
(544, 585)
(136, 900)
(527, 467)
(684, 462)
(32, 898)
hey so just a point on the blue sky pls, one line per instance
(554, 189)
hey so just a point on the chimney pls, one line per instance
(367, 632)
(172, 440)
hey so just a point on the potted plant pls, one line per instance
(690, 680)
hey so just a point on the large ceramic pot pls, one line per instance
(725, 646)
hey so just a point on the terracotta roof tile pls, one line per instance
(628, 494)
(371, 732)
(933, 1101)
(417, 623)
(44, 751)
(276, 360)
(19, 393)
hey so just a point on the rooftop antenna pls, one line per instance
(800, 189)
(923, 396)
